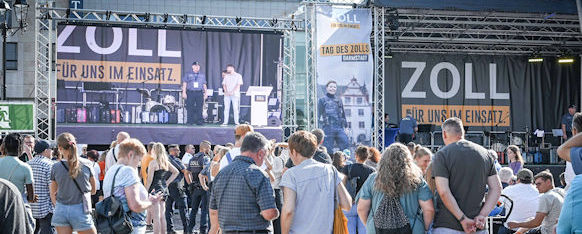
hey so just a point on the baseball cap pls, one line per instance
(195, 63)
(525, 175)
(572, 106)
(243, 129)
(42, 145)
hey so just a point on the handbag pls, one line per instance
(86, 196)
(111, 218)
(340, 222)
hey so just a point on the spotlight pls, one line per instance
(535, 59)
(565, 60)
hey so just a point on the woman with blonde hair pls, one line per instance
(515, 158)
(71, 189)
(422, 157)
(122, 181)
(400, 181)
(160, 174)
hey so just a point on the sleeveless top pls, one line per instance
(159, 180)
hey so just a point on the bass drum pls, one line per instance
(159, 108)
(151, 106)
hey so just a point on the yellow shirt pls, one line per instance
(145, 162)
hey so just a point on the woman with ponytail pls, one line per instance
(71, 189)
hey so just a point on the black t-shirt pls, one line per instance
(467, 166)
(12, 212)
(358, 170)
(320, 156)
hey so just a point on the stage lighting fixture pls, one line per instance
(535, 59)
(565, 60)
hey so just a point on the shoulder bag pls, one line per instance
(340, 222)
(86, 197)
(111, 218)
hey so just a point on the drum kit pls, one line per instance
(165, 109)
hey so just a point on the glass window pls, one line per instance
(360, 100)
(360, 112)
(362, 124)
(348, 112)
(347, 100)
(349, 124)
(11, 56)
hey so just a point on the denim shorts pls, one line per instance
(73, 216)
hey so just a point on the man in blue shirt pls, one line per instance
(567, 122)
(242, 199)
(408, 127)
(194, 91)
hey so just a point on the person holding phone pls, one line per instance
(160, 174)
(128, 187)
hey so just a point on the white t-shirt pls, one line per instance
(110, 159)
(525, 202)
(231, 81)
(551, 204)
(96, 175)
(186, 159)
(233, 153)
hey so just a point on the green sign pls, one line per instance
(16, 116)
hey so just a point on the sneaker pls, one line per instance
(149, 227)
(224, 125)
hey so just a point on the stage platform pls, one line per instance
(104, 134)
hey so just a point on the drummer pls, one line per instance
(194, 91)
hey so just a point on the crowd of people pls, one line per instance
(256, 185)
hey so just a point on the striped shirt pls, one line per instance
(41, 172)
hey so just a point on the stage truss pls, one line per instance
(47, 17)
(474, 32)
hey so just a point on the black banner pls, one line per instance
(486, 92)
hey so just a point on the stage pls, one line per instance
(104, 134)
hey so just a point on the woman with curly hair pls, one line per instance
(399, 178)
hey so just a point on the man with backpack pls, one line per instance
(356, 175)
(239, 133)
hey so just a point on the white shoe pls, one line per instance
(224, 125)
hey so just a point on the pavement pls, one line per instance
(178, 227)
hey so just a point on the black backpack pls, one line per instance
(390, 218)
(352, 183)
(111, 218)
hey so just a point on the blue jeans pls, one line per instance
(72, 216)
(504, 230)
(335, 135)
(199, 199)
(176, 196)
(355, 225)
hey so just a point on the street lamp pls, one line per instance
(21, 12)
